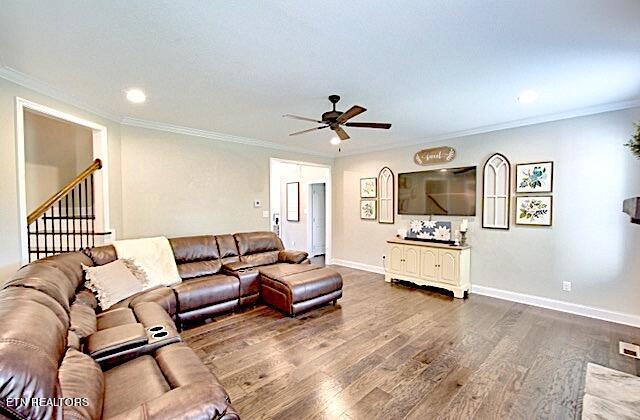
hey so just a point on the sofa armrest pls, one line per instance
(293, 257)
(116, 339)
(151, 314)
(236, 266)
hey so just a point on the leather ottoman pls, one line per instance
(296, 288)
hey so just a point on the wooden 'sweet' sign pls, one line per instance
(435, 155)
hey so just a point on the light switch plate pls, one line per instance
(566, 286)
(265, 214)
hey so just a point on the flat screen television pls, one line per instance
(440, 192)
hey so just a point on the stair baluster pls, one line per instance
(75, 227)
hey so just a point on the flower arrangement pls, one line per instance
(430, 229)
(634, 142)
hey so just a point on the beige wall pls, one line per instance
(172, 184)
(175, 184)
(9, 217)
(55, 152)
(591, 243)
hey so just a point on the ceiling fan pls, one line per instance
(335, 119)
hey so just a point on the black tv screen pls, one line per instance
(440, 192)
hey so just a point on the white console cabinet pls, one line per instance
(430, 264)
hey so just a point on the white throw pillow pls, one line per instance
(115, 281)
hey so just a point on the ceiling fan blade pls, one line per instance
(368, 125)
(341, 133)
(309, 130)
(296, 117)
(350, 113)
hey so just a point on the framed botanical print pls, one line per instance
(368, 209)
(368, 187)
(535, 210)
(534, 177)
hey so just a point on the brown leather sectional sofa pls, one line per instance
(60, 357)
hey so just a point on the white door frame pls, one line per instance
(311, 215)
(327, 200)
(100, 151)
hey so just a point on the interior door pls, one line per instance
(429, 264)
(411, 261)
(448, 261)
(395, 258)
(318, 219)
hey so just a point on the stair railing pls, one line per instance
(66, 221)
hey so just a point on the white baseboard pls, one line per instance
(559, 305)
(556, 305)
(358, 266)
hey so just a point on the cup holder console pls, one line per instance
(157, 332)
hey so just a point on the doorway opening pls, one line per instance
(62, 171)
(317, 219)
(308, 184)
(55, 152)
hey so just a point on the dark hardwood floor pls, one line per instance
(392, 352)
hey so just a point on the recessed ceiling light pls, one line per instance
(335, 140)
(136, 96)
(443, 170)
(527, 96)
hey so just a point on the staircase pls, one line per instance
(66, 221)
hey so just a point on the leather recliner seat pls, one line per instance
(47, 319)
(216, 272)
(44, 375)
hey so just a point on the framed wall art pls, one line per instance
(293, 201)
(368, 187)
(496, 192)
(534, 177)
(368, 209)
(535, 210)
(387, 197)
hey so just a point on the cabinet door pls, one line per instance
(395, 258)
(411, 261)
(449, 263)
(429, 264)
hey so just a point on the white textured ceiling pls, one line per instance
(429, 67)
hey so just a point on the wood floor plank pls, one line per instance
(391, 351)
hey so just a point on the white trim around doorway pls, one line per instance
(328, 199)
(100, 151)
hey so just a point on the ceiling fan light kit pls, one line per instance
(335, 119)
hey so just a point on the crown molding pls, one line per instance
(581, 112)
(53, 92)
(195, 132)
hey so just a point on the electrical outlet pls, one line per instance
(566, 286)
(628, 349)
(265, 214)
